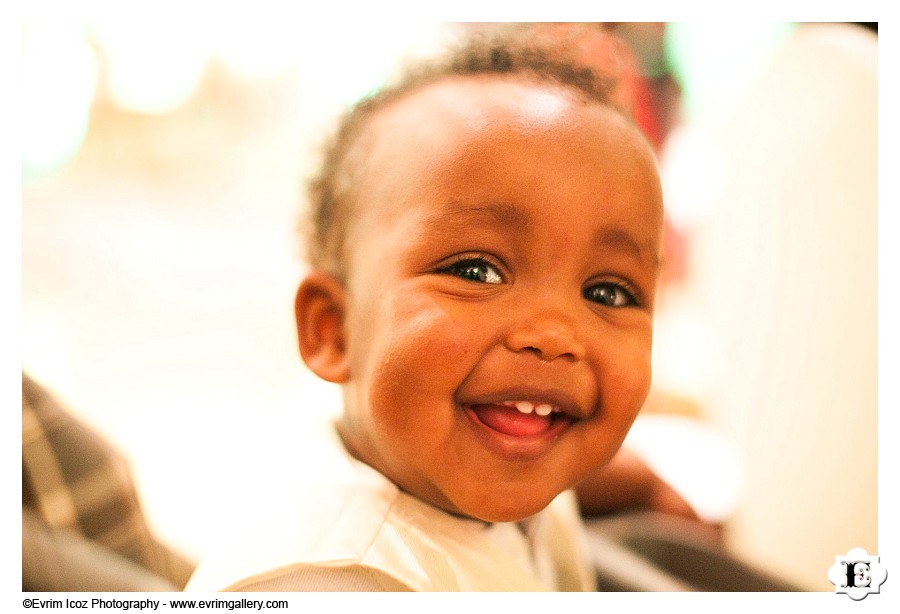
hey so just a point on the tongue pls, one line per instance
(510, 421)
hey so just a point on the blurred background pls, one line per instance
(163, 167)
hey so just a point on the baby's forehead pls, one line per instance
(457, 112)
(494, 139)
(486, 100)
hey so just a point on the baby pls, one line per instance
(483, 268)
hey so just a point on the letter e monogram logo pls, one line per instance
(857, 574)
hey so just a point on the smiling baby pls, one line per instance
(484, 263)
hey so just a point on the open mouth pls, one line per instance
(522, 418)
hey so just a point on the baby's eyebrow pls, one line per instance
(619, 238)
(467, 215)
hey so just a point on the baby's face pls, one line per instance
(501, 279)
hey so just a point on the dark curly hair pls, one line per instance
(544, 53)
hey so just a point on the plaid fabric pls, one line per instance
(76, 483)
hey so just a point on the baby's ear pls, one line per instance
(319, 308)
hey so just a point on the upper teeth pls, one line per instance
(526, 407)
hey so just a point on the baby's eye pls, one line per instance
(609, 294)
(475, 269)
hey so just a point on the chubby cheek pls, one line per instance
(420, 335)
(624, 381)
(625, 384)
(413, 355)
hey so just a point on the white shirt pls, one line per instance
(353, 529)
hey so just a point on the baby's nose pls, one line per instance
(549, 335)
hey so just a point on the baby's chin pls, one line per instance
(497, 510)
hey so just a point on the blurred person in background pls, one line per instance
(83, 528)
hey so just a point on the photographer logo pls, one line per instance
(857, 574)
